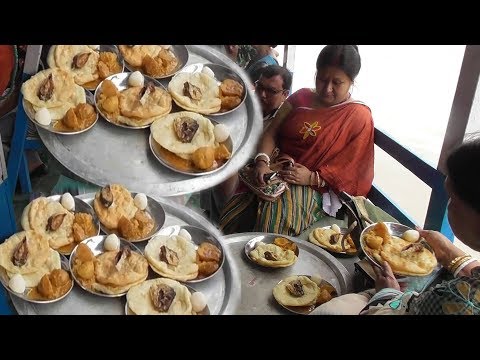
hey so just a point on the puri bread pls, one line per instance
(36, 215)
(163, 132)
(286, 298)
(140, 302)
(272, 255)
(209, 100)
(186, 269)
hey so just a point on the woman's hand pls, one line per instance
(385, 277)
(444, 249)
(261, 168)
(296, 174)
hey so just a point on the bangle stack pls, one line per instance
(456, 262)
(267, 158)
(463, 264)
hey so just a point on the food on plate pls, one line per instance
(404, 257)
(52, 286)
(172, 256)
(77, 118)
(221, 133)
(296, 291)
(187, 140)
(61, 227)
(331, 239)
(67, 201)
(52, 90)
(135, 106)
(111, 272)
(208, 259)
(286, 244)
(199, 301)
(112, 243)
(161, 297)
(302, 291)
(87, 64)
(17, 283)
(272, 255)
(231, 94)
(116, 210)
(136, 79)
(27, 253)
(195, 92)
(154, 60)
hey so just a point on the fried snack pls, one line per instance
(222, 153)
(285, 244)
(231, 92)
(208, 259)
(52, 286)
(272, 255)
(203, 157)
(136, 228)
(135, 54)
(77, 118)
(83, 227)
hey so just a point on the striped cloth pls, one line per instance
(294, 211)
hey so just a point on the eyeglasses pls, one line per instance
(268, 90)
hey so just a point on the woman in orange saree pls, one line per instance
(330, 137)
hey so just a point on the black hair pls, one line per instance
(346, 57)
(461, 169)
(274, 70)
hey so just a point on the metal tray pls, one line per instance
(180, 51)
(110, 154)
(50, 128)
(221, 73)
(120, 80)
(257, 282)
(154, 209)
(155, 148)
(222, 291)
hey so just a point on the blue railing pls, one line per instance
(436, 218)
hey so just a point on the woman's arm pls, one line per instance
(267, 142)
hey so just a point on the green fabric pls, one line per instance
(65, 184)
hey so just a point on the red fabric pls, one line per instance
(339, 144)
(7, 62)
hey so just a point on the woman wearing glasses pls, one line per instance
(330, 137)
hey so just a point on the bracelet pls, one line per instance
(459, 263)
(454, 262)
(320, 184)
(262, 154)
(462, 266)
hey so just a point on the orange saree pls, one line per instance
(336, 141)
